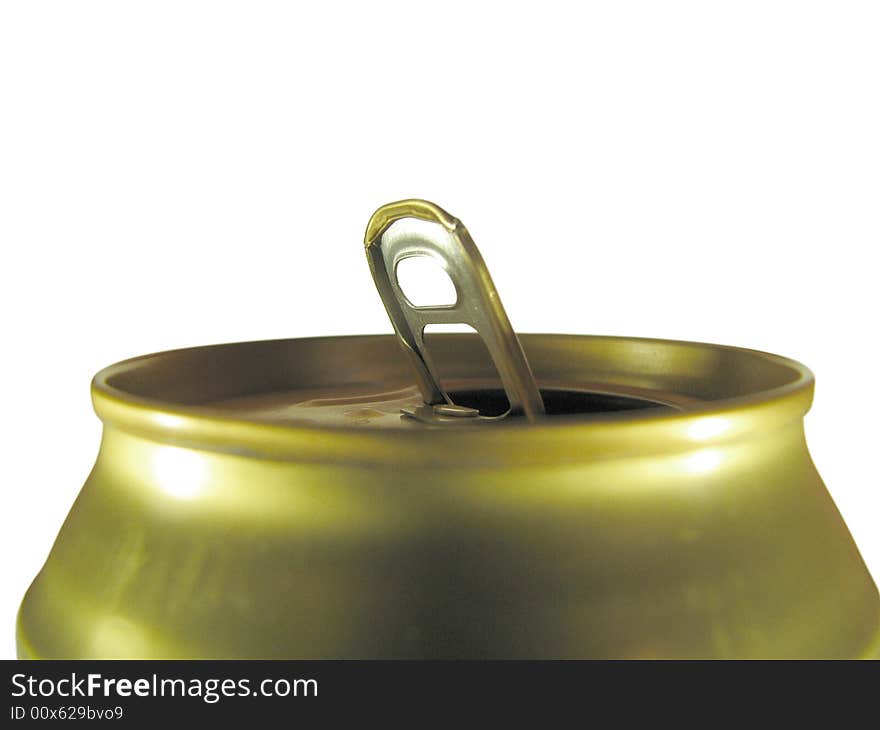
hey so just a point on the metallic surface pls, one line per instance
(410, 228)
(266, 500)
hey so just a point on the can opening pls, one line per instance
(557, 401)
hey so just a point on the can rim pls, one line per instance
(559, 440)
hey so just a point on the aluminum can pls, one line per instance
(268, 500)
(461, 496)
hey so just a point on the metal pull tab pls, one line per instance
(418, 228)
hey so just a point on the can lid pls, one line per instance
(338, 399)
(356, 398)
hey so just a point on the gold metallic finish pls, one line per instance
(410, 208)
(266, 499)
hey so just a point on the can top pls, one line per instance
(339, 399)
(478, 398)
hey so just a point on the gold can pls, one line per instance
(564, 497)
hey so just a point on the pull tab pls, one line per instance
(419, 228)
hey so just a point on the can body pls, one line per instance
(691, 534)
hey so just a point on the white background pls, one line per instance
(180, 173)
